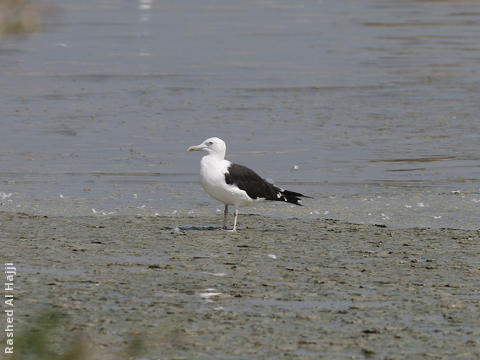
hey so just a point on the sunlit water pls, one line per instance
(370, 106)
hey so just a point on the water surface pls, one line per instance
(375, 102)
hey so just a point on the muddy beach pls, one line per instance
(278, 288)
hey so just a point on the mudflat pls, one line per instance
(278, 288)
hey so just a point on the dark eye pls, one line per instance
(210, 143)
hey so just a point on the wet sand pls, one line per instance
(280, 289)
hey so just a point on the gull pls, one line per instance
(234, 184)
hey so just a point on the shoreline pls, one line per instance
(215, 218)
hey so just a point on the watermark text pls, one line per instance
(10, 273)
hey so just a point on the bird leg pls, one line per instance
(225, 214)
(235, 220)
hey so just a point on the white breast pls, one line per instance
(212, 177)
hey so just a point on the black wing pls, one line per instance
(256, 187)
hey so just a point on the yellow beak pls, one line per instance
(195, 148)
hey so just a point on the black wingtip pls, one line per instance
(293, 197)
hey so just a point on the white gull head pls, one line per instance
(213, 146)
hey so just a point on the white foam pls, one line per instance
(219, 274)
(4, 195)
(210, 292)
(102, 212)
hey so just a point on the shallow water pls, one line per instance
(376, 103)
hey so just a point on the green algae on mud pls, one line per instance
(278, 288)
